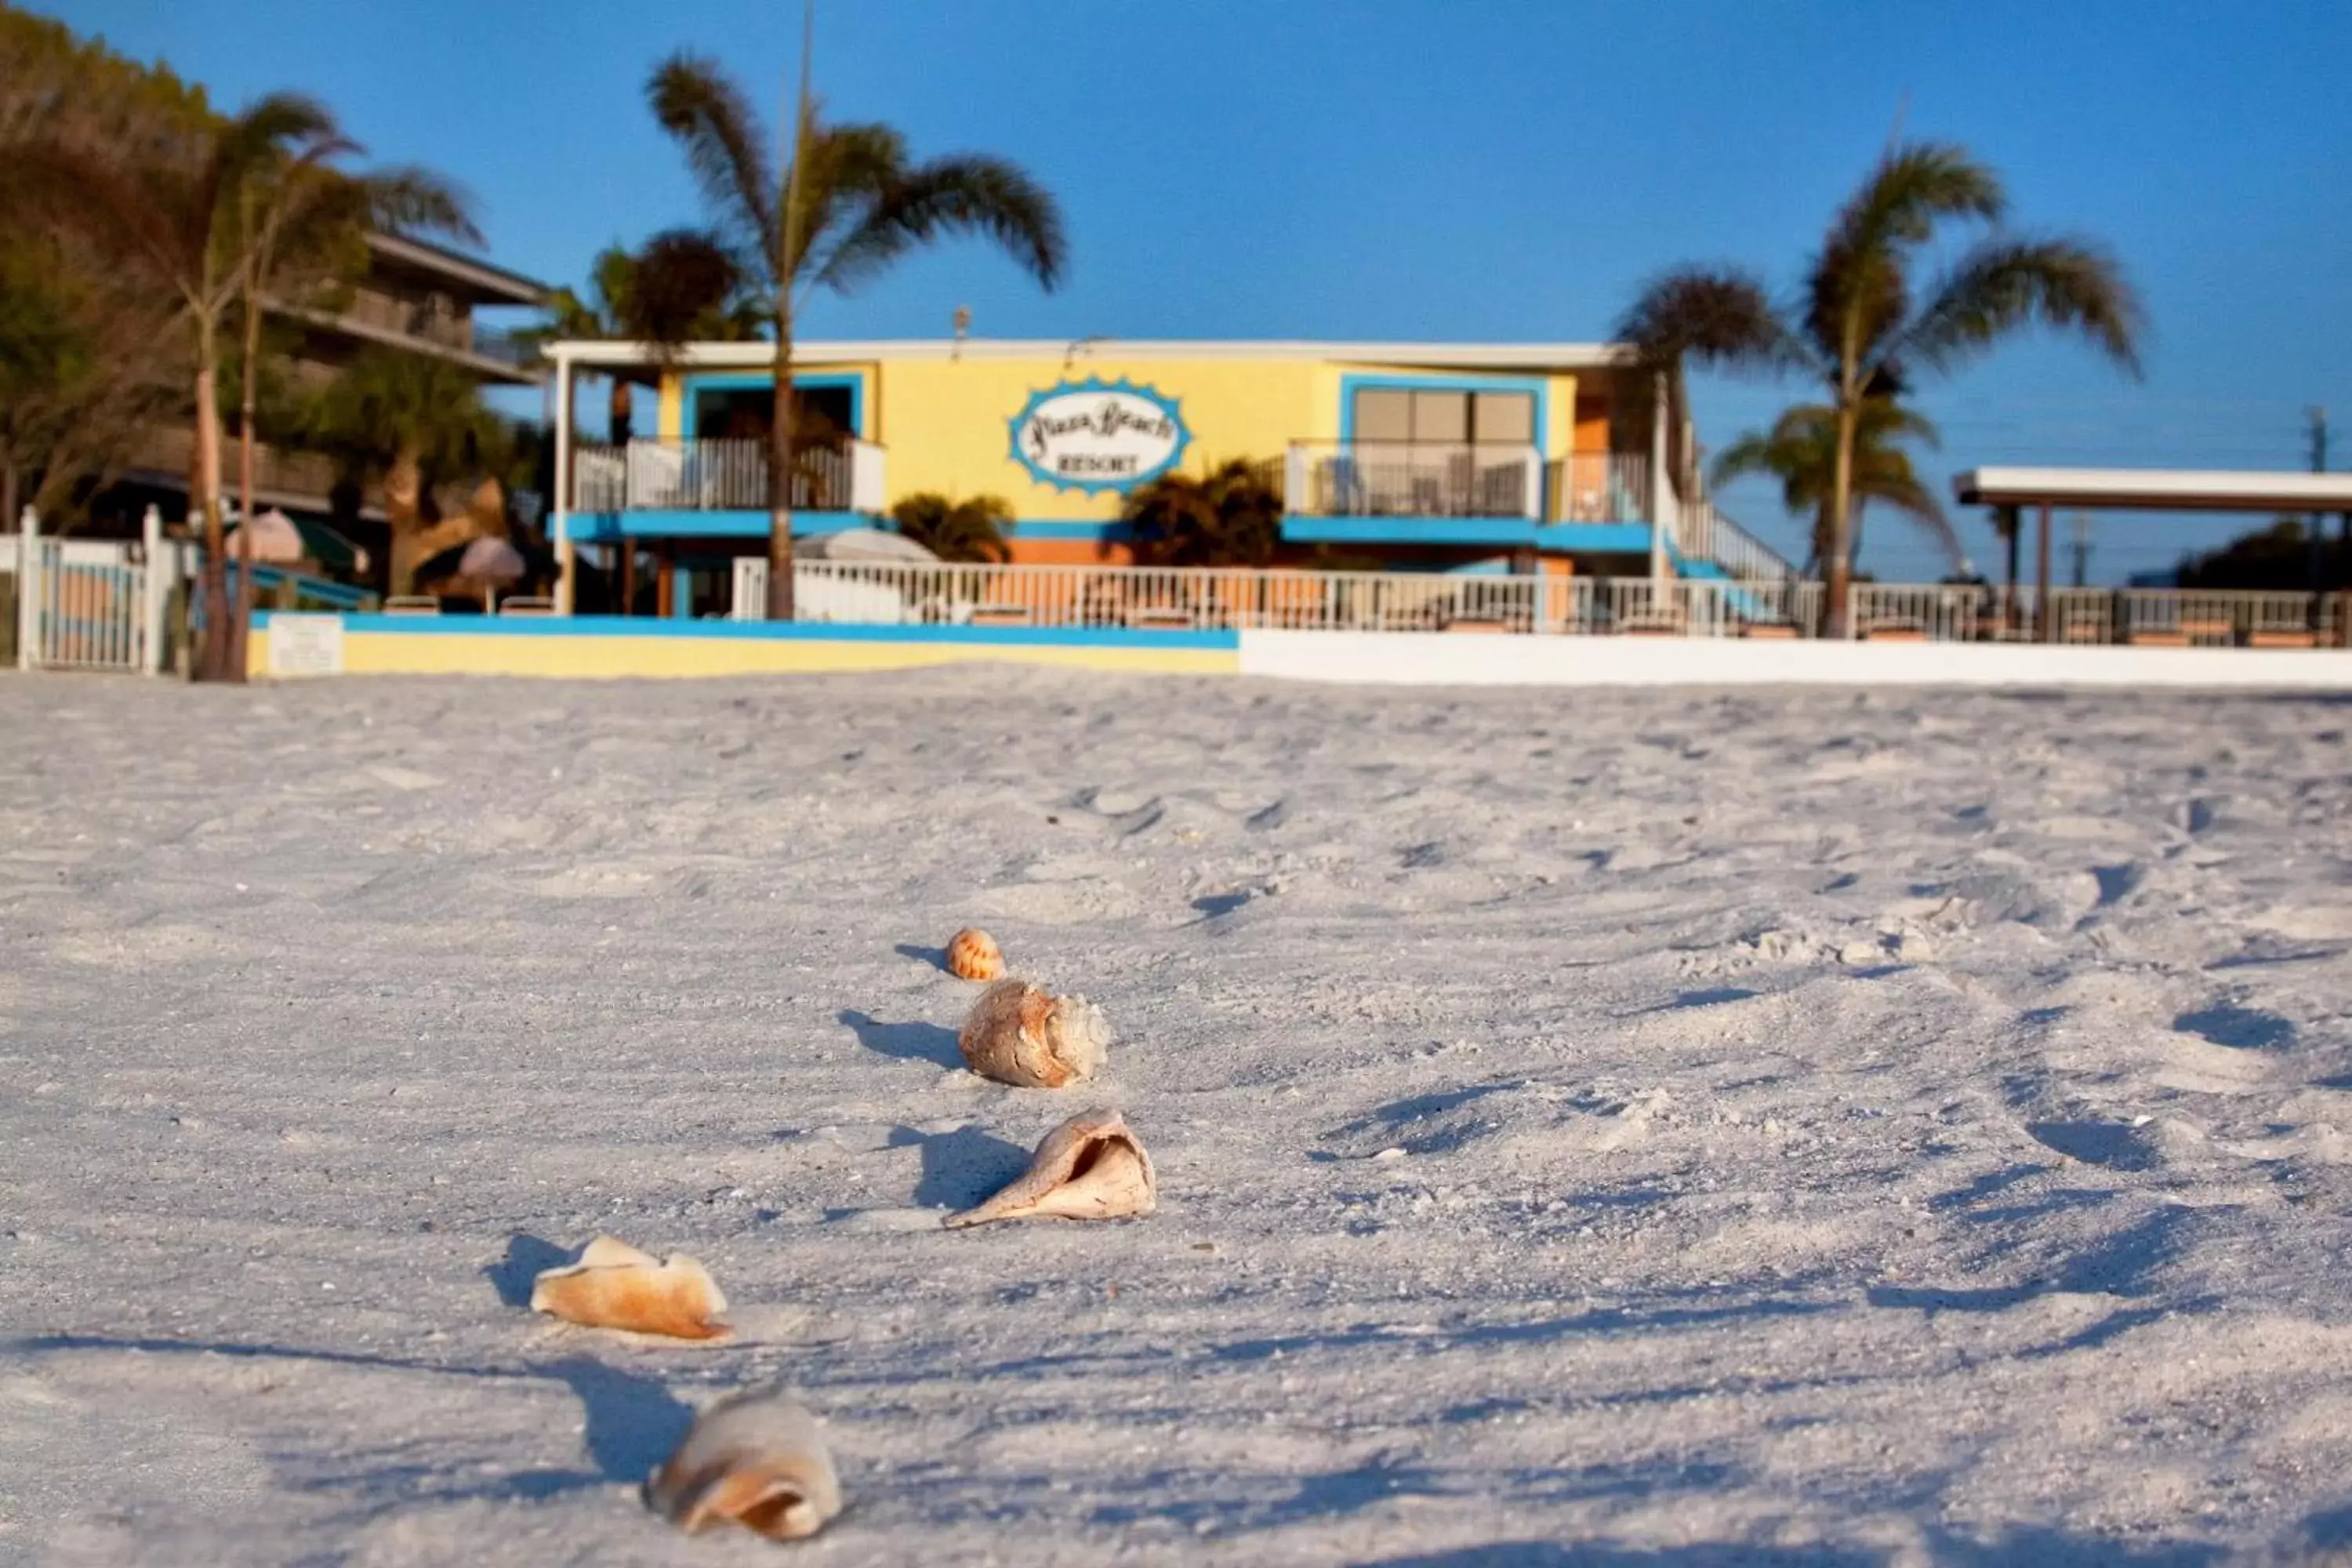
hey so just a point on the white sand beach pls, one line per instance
(1592, 1127)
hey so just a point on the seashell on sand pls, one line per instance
(752, 1459)
(614, 1285)
(1019, 1035)
(974, 954)
(1090, 1167)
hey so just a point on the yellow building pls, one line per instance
(1425, 456)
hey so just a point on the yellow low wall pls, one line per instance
(548, 651)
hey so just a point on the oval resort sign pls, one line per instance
(1098, 435)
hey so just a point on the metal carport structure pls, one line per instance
(2143, 489)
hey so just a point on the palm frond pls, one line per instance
(2004, 284)
(694, 101)
(681, 282)
(1883, 421)
(411, 200)
(267, 133)
(970, 194)
(1752, 456)
(1713, 318)
(1910, 190)
(1858, 282)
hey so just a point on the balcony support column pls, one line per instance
(567, 555)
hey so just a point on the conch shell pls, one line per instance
(1018, 1034)
(753, 1459)
(1090, 1167)
(614, 1285)
(974, 956)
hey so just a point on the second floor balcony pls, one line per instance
(1466, 493)
(724, 476)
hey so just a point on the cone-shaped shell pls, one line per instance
(754, 1460)
(1090, 1167)
(1018, 1034)
(974, 956)
(614, 1285)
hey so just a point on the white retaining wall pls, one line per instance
(1443, 659)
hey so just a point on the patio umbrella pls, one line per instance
(282, 541)
(863, 544)
(493, 560)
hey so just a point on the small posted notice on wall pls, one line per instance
(306, 645)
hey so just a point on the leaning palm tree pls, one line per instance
(968, 530)
(850, 203)
(1800, 452)
(1865, 327)
(172, 220)
(301, 228)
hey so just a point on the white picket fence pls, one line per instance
(90, 603)
(1239, 598)
(1281, 599)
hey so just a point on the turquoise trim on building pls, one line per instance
(604, 527)
(1595, 538)
(1352, 384)
(1473, 532)
(802, 631)
(730, 381)
(1599, 538)
(1050, 527)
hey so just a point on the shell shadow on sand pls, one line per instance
(911, 1042)
(963, 1166)
(528, 1256)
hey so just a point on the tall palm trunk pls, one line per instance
(213, 665)
(1841, 563)
(781, 428)
(245, 414)
(780, 468)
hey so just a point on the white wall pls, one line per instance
(1457, 659)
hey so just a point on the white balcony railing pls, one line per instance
(729, 475)
(1599, 487)
(1397, 478)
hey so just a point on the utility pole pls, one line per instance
(2316, 527)
(2081, 524)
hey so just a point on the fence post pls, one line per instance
(29, 589)
(751, 591)
(155, 595)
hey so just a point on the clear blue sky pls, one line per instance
(1452, 169)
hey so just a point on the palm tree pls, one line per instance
(174, 221)
(301, 227)
(1230, 516)
(850, 203)
(1862, 327)
(681, 286)
(412, 424)
(969, 530)
(1801, 451)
